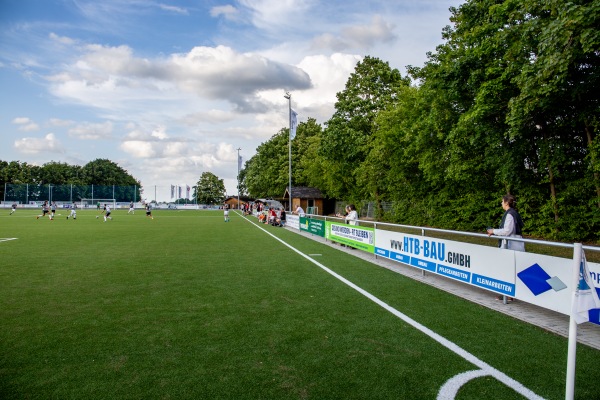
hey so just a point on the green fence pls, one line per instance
(28, 193)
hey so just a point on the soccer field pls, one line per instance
(187, 306)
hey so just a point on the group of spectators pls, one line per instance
(272, 216)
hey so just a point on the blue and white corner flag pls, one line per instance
(586, 297)
(293, 124)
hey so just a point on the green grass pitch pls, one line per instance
(186, 306)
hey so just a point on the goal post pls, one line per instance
(93, 203)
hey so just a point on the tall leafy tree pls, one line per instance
(209, 189)
(106, 172)
(372, 87)
(305, 159)
(557, 104)
(267, 172)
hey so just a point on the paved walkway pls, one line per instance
(587, 333)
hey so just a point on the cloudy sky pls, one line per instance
(172, 88)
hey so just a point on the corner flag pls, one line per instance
(586, 297)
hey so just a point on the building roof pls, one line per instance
(303, 192)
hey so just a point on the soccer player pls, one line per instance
(149, 211)
(13, 209)
(53, 209)
(107, 212)
(131, 208)
(73, 211)
(226, 212)
(45, 210)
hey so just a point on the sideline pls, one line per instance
(485, 368)
(7, 239)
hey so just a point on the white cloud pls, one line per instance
(359, 37)
(138, 148)
(21, 120)
(228, 11)
(25, 124)
(211, 117)
(92, 131)
(273, 14)
(37, 145)
(174, 9)
(112, 77)
(64, 40)
(57, 122)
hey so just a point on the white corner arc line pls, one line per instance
(450, 389)
(7, 239)
(488, 369)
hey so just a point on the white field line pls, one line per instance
(485, 367)
(7, 239)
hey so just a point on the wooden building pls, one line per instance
(232, 201)
(310, 199)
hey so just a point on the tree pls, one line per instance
(305, 159)
(209, 189)
(267, 173)
(106, 172)
(372, 87)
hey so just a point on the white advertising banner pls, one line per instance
(487, 267)
(545, 281)
(292, 221)
(538, 279)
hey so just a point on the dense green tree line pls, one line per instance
(508, 103)
(100, 173)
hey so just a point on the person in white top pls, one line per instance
(226, 212)
(107, 212)
(352, 217)
(511, 224)
(73, 213)
(299, 210)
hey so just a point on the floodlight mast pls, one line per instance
(238, 176)
(288, 96)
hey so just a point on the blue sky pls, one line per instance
(171, 89)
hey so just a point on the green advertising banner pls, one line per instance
(351, 235)
(314, 226)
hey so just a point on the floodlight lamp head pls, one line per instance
(287, 95)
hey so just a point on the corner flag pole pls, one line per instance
(572, 347)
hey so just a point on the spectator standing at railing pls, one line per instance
(511, 224)
(351, 216)
(299, 211)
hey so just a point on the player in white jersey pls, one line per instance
(73, 213)
(226, 212)
(107, 212)
(13, 209)
(131, 208)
